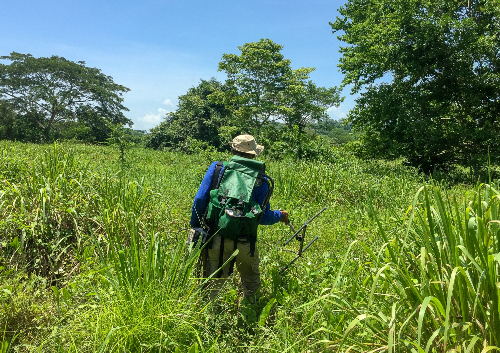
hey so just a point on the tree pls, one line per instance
(16, 127)
(57, 90)
(7, 119)
(339, 132)
(441, 58)
(264, 88)
(196, 119)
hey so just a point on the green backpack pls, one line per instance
(232, 213)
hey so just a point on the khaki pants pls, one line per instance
(248, 267)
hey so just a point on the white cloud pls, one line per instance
(151, 120)
(169, 103)
(337, 113)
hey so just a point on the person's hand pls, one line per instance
(284, 217)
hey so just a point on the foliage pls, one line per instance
(40, 225)
(339, 132)
(440, 58)
(121, 138)
(261, 90)
(126, 284)
(7, 117)
(264, 88)
(341, 136)
(284, 142)
(433, 286)
(196, 119)
(24, 303)
(16, 127)
(50, 91)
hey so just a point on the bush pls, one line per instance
(434, 285)
(282, 142)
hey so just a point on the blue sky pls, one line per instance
(159, 49)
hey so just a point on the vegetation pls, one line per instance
(42, 99)
(197, 122)
(92, 238)
(262, 95)
(264, 88)
(93, 257)
(428, 76)
(340, 132)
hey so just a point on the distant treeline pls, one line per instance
(30, 127)
(427, 75)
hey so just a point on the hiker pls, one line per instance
(233, 199)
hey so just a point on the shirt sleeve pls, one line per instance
(269, 217)
(201, 199)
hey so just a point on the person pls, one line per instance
(247, 260)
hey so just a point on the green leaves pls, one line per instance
(57, 90)
(261, 89)
(445, 260)
(266, 311)
(265, 89)
(200, 119)
(428, 73)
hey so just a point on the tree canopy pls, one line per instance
(197, 119)
(261, 91)
(429, 77)
(264, 88)
(52, 91)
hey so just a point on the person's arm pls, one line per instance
(269, 217)
(201, 199)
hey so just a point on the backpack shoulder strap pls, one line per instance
(213, 185)
(215, 178)
(270, 183)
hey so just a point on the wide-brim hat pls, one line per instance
(246, 144)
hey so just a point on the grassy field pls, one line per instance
(93, 258)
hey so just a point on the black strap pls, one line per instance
(215, 178)
(221, 257)
(267, 197)
(213, 185)
(231, 266)
(263, 169)
(253, 240)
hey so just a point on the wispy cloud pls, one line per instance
(337, 113)
(169, 103)
(151, 120)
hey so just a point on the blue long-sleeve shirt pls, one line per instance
(202, 198)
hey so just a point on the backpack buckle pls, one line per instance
(223, 200)
(234, 212)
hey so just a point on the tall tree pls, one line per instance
(440, 60)
(197, 118)
(264, 88)
(59, 90)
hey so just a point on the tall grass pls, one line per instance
(432, 287)
(146, 313)
(386, 274)
(140, 256)
(43, 203)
